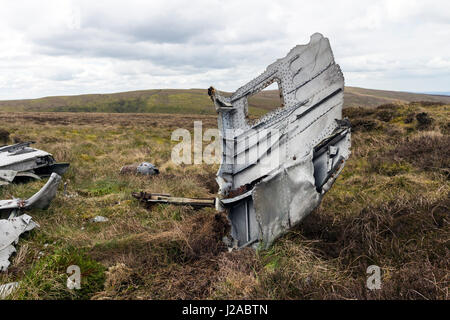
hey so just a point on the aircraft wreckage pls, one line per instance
(13, 223)
(19, 161)
(274, 172)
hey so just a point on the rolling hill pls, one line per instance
(192, 101)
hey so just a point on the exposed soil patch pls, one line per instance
(365, 125)
(4, 136)
(424, 120)
(204, 235)
(209, 182)
(385, 115)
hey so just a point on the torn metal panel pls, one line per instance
(7, 289)
(144, 168)
(43, 197)
(99, 219)
(20, 160)
(288, 159)
(14, 225)
(7, 175)
(154, 198)
(10, 231)
(40, 199)
(147, 168)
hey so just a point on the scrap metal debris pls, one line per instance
(13, 224)
(99, 219)
(8, 288)
(10, 230)
(275, 172)
(154, 198)
(40, 199)
(147, 168)
(144, 168)
(19, 160)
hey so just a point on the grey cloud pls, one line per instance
(115, 46)
(176, 36)
(171, 56)
(98, 43)
(62, 76)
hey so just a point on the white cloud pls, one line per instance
(73, 47)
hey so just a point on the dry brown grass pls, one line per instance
(429, 150)
(389, 207)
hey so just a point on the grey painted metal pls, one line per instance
(99, 219)
(146, 168)
(13, 224)
(40, 200)
(288, 159)
(10, 230)
(8, 288)
(20, 160)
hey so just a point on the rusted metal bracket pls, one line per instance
(155, 198)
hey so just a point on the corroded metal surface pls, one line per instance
(162, 198)
(275, 171)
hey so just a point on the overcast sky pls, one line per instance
(74, 47)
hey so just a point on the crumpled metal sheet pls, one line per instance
(147, 168)
(10, 231)
(298, 196)
(20, 160)
(99, 219)
(275, 171)
(8, 288)
(144, 168)
(40, 199)
(12, 227)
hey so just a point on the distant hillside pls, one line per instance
(192, 101)
(370, 98)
